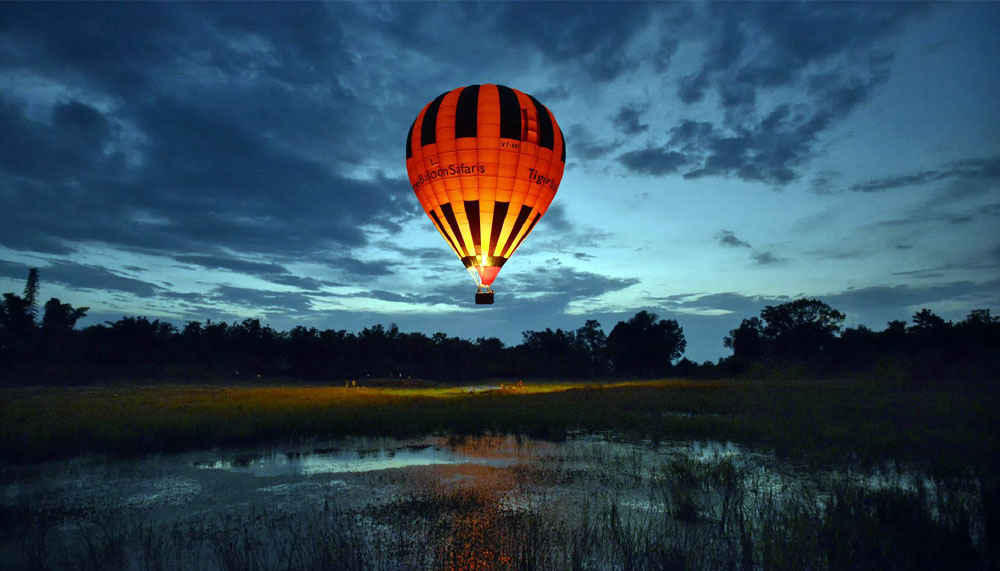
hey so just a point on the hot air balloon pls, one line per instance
(485, 162)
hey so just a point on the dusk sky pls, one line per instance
(225, 161)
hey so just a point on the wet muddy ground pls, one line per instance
(590, 501)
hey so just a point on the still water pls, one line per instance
(591, 501)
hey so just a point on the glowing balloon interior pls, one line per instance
(485, 162)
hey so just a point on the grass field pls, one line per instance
(949, 427)
(702, 514)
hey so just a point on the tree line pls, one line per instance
(801, 337)
(137, 347)
(807, 336)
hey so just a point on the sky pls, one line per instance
(230, 161)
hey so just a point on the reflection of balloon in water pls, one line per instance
(485, 161)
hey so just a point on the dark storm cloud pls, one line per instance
(766, 258)
(556, 219)
(13, 270)
(653, 161)
(306, 283)
(787, 39)
(81, 276)
(627, 120)
(441, 257)
(566, 284)
(56, 38)
(728, 238)
(262, 300)
(71, 140)
(593, 36)
(881, 298)
(974, 168)
(237, 265)
(274, 273)
(555, 93)
(838, 253)
(453, 294)
(360, 267)
(988, 260)
(232, 164)
(583, 256)
(190, 297)
(387, 296)
(585, 146)
(830, 55)
(769, 150)
(940, 208)
(823, 181)
(727, 301)
(691, 88)
(665, 53)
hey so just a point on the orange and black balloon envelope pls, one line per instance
(485, 162)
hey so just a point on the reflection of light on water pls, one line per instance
(367, 460)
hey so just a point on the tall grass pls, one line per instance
(695, 515)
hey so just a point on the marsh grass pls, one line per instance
(734, 522)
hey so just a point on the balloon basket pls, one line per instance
(484, 295)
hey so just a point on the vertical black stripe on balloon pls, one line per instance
(510, 114)
(466, 112)
(546, 136)
(526, 232)
(409, 140)
(521, 217)
(428, 129)
(499, 215)
(449, 215)
(441, 228)
(563, 137)
(472, 212)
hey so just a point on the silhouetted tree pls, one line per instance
(58, 342)
(893, 339)
(31, 293)
(929, 333)
(747, 341)
(137, 342)
(15, 317)
(17, 322)
(61, 317)
(491, 358)
(595, 343)
(554, 353)
(644, 346)
(685, 368)
(927, 320)
(858, 346)
(800, 329)
(979, 329)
